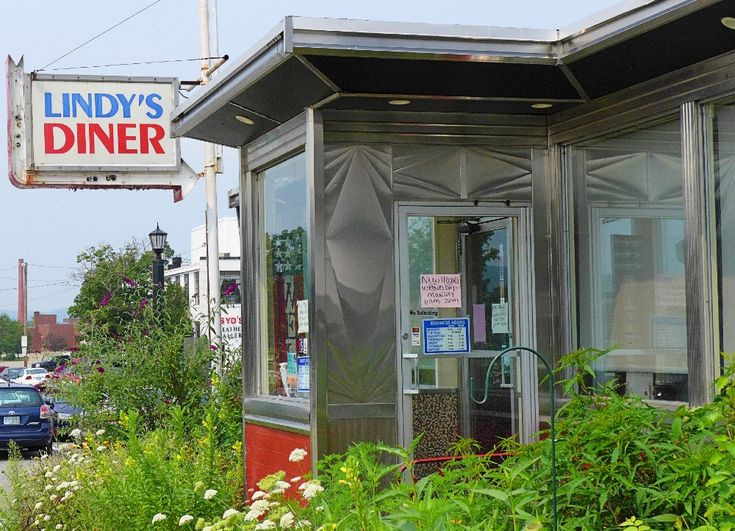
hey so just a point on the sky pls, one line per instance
(49, 228)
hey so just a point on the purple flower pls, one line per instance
(130, 282)
(213, 347)
(105, 299)
(101, 370)
(230, 289)
(143, 302)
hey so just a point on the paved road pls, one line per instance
(4, 461)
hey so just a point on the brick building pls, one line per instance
(47, 335)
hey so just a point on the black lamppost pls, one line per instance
(158, 244)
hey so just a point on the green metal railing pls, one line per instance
(488, 375)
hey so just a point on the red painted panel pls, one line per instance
(267, 451)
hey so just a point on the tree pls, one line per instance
(55, 342)
(10, 334)
(116, 289)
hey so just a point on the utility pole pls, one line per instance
(209, 47)
(23, 307)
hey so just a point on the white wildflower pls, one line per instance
(287, 520)
(158, 517)
(303, 524)
(44, 456)
(57, 468)
(258, 494)
(48, 488)
(282, 485)
(75, 433)
(207, 528)
(59, 526)
(49, 474)
(275, 492)
(99, 432)
(53, 497)
(47, 517)
(229, 512)
(297, 455)
(296, 479)
(260, 505)
(266, 524)
(101, 448)
(185, 519)
(209, 494)
(311, 489)
(38, 506)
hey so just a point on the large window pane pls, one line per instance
(630, 240)
(723, 129)
(285, 363)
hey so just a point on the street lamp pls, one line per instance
(158, 244)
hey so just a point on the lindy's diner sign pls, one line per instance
(93, 132)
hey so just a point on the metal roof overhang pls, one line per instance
(351, 64)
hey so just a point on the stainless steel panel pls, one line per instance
(634, 177)
(698, 205)
(317, 258)
(362, 411)
(498, 174)
(426, 172)
(277, 144)
(359, 299)
(344, 432)
(658, 98)
(612, 25)
(450, 129)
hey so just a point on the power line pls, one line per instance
(53, 266)
(99, 35)
(137, 63)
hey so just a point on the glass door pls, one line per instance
(490, 411)
(464, 294)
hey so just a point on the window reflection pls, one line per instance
(285, 250)
(630, 236)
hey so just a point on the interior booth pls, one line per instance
(414, 199)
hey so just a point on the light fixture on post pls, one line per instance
(158, 244)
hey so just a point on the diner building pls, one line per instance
(416, 198)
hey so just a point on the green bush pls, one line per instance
(621, 464)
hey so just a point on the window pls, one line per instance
(723, 144)
(230, 289)
(284, 262)
(630, 240)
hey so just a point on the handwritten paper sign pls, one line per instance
(302, 316)
(441, 291)
(499, 321)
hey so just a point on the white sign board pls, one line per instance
(441, 291)
(93, 132)
(231, 321)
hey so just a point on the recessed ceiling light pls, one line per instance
(399, 102)
(542, 105)
(244, 119)
(728, 22)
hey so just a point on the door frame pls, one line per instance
(525, 312)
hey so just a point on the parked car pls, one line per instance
(10, 373)
(25, 418)
(34, 376)
(53, 361)
(65, 416)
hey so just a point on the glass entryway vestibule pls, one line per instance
(464, 288)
